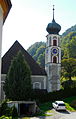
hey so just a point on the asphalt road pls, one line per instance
(59, 115)
(69, 116)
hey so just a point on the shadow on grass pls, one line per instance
(45, 110)
(46, 106)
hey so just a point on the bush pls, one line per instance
(42, 97)
(73, 103)
(4, 117)
(7, 111)
(0, 110)
(69, 84)
(4, 108)
(14, 112)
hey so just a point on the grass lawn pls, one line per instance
(5, 117)
(46, 107)
(25, 118)
(68, 102)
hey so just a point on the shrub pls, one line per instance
(69, 84)
(42, 97)
(4, 108)
(14, 112)
(4, 117)
(73, 103)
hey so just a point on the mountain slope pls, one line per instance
(72, 29)
(37, 51)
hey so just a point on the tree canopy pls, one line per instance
(37, 51)
(18, 82)
(69, 68)
(68, 45)
(71, 48)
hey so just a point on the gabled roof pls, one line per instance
(12, 52)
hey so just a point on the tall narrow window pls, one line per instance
(54, 59)
(54, 42)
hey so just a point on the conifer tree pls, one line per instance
(18, 82)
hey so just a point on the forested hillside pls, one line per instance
(68, 47)
(37, 51)
(72, 29)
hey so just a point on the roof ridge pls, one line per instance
(13, 50)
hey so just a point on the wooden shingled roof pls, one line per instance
(12, 52)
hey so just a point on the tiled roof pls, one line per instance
(12, 52)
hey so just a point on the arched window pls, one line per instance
(54, 59)
(54, 42)
(36, 85)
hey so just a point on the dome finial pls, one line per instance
(53, 27)
(53, 13)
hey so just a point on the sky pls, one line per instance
(28, 19)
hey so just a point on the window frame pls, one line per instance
(34, 85)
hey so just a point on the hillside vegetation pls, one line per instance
(37, 51)
(72, 29)
(68, 47)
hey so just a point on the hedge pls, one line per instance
(44, 96)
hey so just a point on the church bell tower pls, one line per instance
(53, 56)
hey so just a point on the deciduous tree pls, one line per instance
(69, 68)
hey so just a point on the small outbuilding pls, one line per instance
(24, 107)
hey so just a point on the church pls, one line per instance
(5, 6)
(42, 79)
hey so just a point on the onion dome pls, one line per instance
(53, 27)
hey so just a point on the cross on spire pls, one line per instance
(53, 12)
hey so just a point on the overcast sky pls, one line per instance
(28, 19)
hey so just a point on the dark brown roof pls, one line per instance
(15, 48)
